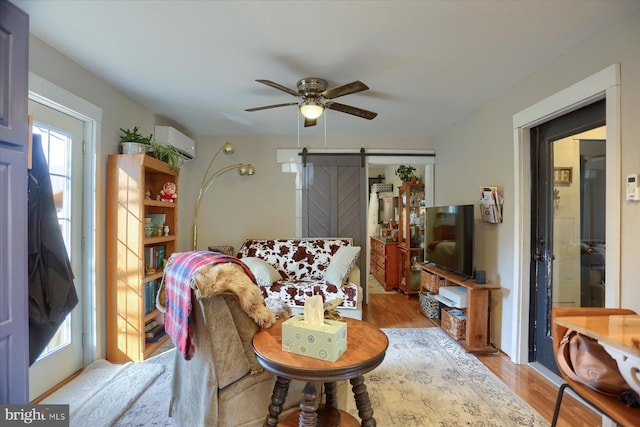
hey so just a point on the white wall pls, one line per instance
(236, 208)
(485, 140)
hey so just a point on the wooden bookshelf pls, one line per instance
(129, 177)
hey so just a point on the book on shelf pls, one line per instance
(154, 257)
(150, 291)
(155, 331)
(157, 337)
(160, 251)
(150, 325)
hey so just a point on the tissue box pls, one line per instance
(326, 342)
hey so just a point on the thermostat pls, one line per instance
(632, 187)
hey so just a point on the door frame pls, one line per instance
(47, 93)
(604, 84)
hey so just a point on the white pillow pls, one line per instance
(341, 265)
(264, 272)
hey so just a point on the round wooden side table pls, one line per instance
(366, 347)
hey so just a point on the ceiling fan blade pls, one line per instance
(279, 87)
(365, 114)
(310, 122)
(344, 89)
(266, 107)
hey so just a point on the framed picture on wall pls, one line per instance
(562, 175)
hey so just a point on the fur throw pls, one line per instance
(212, 280)
(215, 279)
(278, 307)
(330, 311)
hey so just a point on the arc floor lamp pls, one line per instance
(209, 178)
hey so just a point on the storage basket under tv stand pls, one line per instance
(477, 335)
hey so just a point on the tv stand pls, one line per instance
(477, 335)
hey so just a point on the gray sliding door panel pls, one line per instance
(334, 201)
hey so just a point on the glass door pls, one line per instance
(62, 141)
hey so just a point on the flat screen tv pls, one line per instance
(449, 238)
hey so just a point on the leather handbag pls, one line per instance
(585, 361)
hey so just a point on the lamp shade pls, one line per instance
(246, 170)
(311, 109)
(228, 148)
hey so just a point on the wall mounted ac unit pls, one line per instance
(169, 135)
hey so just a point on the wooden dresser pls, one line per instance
(385, 263)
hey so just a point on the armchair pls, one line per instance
(223, 385)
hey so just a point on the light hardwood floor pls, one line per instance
(396, 311)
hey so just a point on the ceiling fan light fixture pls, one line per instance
(311, 109)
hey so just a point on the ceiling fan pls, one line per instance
(316, 97)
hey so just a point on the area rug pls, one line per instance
(105, 391)
(375, 287)
(427, 379)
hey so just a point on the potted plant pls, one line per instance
(167, 153)
(405, 173)
(132, 141)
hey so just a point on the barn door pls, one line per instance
(334, 201)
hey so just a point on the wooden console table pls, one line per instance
(366, 347)
(477, 335)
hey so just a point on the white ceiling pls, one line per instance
(428, 64)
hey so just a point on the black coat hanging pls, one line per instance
(52, 294)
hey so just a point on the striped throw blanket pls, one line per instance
(179, 287)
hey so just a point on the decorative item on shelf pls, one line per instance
(147, 195)
(168, 192)
(132, 141)
(491, 203)
(209, 178)
(157, 221)
(166, 230)
(406, 173)
(415, 264)
(148, 227)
